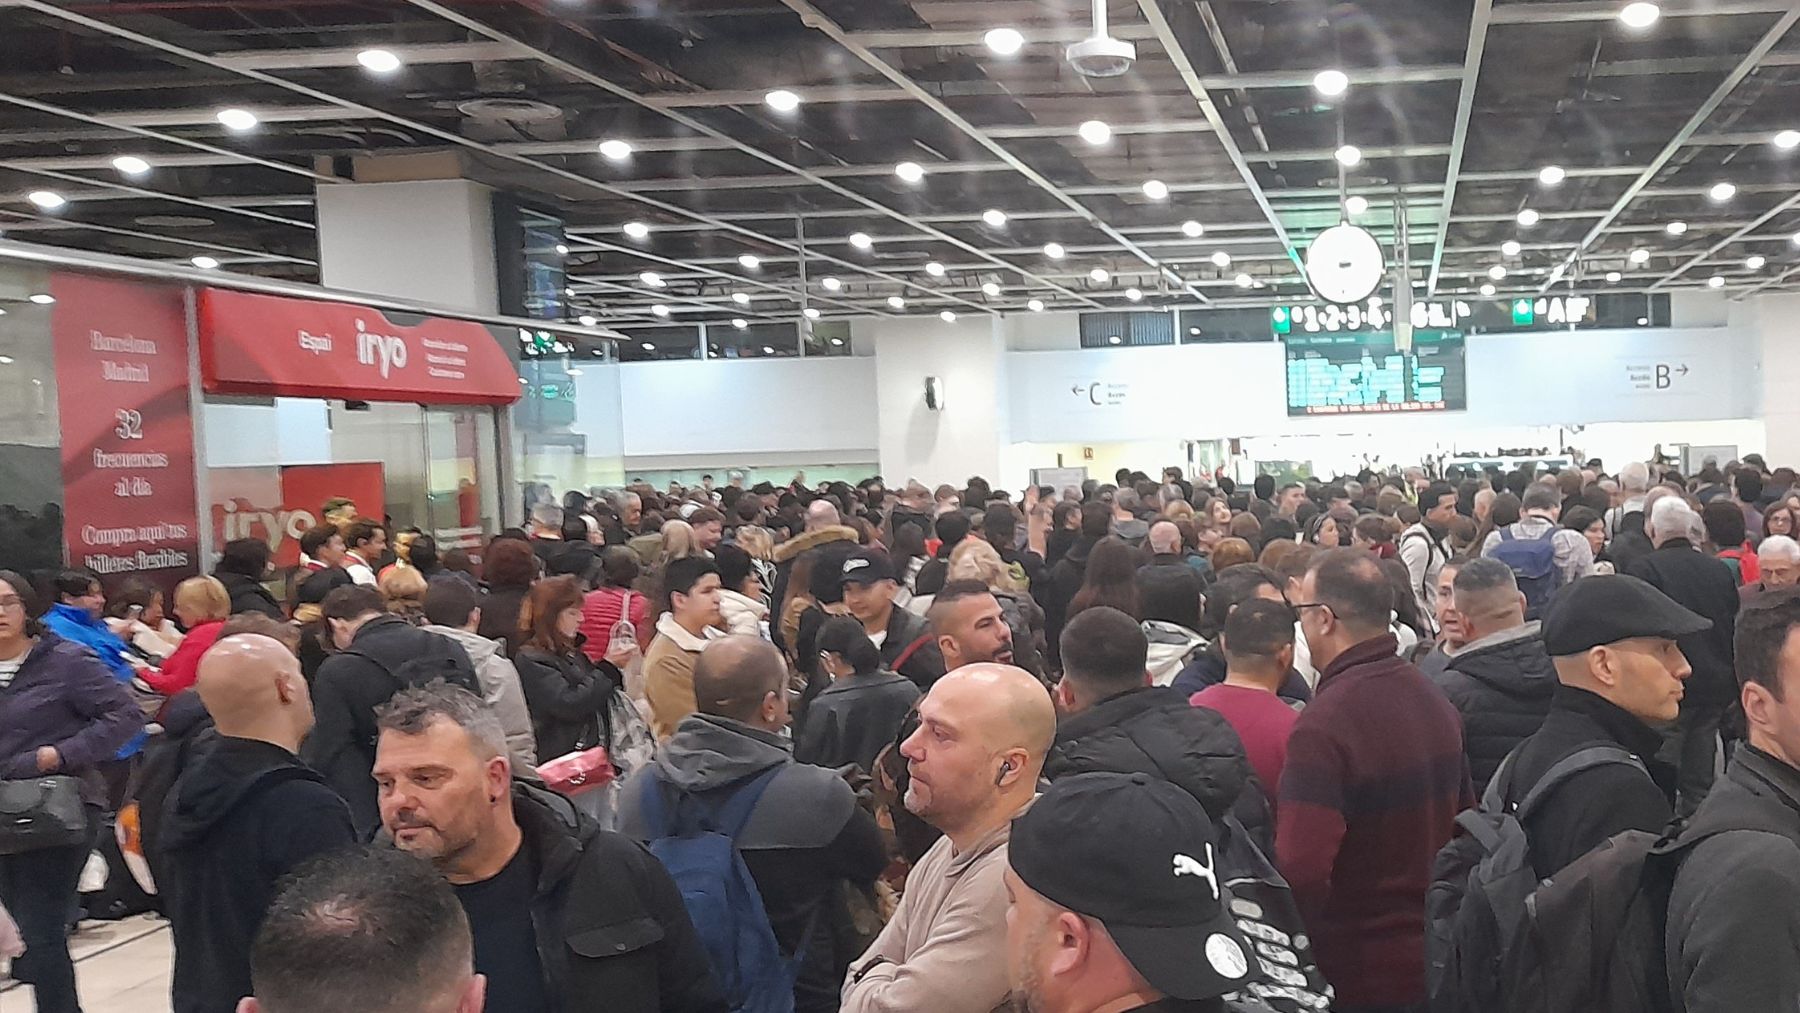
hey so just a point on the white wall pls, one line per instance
(965, 437)
(1774, 322)
(426, 240)
(283, 430)
(747, 407)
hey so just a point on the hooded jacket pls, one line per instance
(1170, 646)
(63, 696)
(248, 595)
(805, 837)
(743, 614)
(1501, 685)
(500, 688)
(790, 550)
(242, 816)
(612, 931)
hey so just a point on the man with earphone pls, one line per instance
(974, 764)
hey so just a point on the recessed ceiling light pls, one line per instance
(768, 350)
(896, 302)
(1356, 205)
(239, 120)
(911, 172)
(1641, 14)
(1115, 340)
(1192, 229)
(1055, 251)
(994, 217)
(1134, 294)
(1095, 132)
(49, 200)
(562, 249)
(1244, 281)
(782, 101)
(1101, 275)
(749, 261)
(573, 371)
(6, 360)
(739, 322)
(947, 317)
(935, 269)
(831, 284)
(205, 263)
(1005, 41)
(660, 310)
(646, 346)
(837, 342)
(131, 165)
(1156, 189)
(990, 289)
(587, 320)
(1035, 305)
(1349, 155)
(570, 292)
(1613, 276)
(1639, 255)
(43, 298)
(1221, 259)
(861, 240)
(741, 298)
(1787, 140)
(1715, 282)
(1497, 272)
(1510, 248)
(1488, 289)
(1675, 228)
(1331, 83)
(1643, 321)
(1550, 175)
(637, 230)
(652, 279)
(1722, 191)
(811, 313)
(1528, 217)
(615, 150)
(1755, 262)
(379, 61)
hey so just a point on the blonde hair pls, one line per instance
(758, 542)
(1179, 510)
(204, 596)
(975, 559)
(678, 542)
(403, 591)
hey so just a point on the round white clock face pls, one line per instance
(1345, 264)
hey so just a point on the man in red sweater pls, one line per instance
(1374, 778)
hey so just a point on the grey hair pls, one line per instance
(548, 515)
(1485, 587)
(1672, 518)
(411, 711)
(1541, 497)
(1778, 547)
(1635, 477)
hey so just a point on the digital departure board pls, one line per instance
(1361, 373)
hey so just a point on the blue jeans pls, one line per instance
(39, 888)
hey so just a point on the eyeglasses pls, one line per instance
(1299, 605)
(12, 602)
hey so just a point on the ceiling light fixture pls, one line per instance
(1356, 205)
(994, 217)
(1551, 175)
(782, 101)
(741, 298)
(1510, 248)
(990, 289)
(1529, 217)
(947, 317)
(1787, 140)
(768, 350)
(1349, 156)
(652, 279)
(614, 150)
(1095, 132)
(637, 230)
(1331, 83)
(1643, 321)
(378, 61)
(749, 262)
(587, 321)
(1115, 340)
(562, 249)
(896, 302)
(811, 313)
(837, 342)
(1004, 41)
(1192, 229)
(6, 360)
(1035, 305)
(131, 165)
(1755, 262)
(1676, 228)
(1156, 189)
(1488, 289)
(1715, 282)
(1613, 276)
(1100, 275)
(49, 200)
(831, 284)
(1639, 256)
(1640, 15)
(43, 298)
(205, 263)
(1497, 272)
(660, 310)
(911, 172)
(1244, 281)
(646, 346)
(1722, 192)
(1134, 294)
(861, 240)
(1100, 55)
(239, 120)
(1055, 251)
(740, 323)
(935, 269)
(1221, 259)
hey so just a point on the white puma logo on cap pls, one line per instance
(1186, 866)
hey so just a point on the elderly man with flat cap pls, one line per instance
(1620, 675)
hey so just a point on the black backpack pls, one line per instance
(442, 659)
(1481, 883)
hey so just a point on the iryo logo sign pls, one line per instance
(381, 350)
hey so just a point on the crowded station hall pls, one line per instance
(899, 506)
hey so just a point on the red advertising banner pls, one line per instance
(264, 344)
(127, 429)
(279, 504)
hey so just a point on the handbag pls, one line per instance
(41, 812)
(579, 772)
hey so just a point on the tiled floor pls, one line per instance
(120, 967)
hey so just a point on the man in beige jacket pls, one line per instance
(974, 765)
(693, 588)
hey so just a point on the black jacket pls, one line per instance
(854, 719)
(348, 688)
(187, 730)
(1502, 689)
(1704, 585)
(243, 815)
(805, 840)
(1596, 803)
(500, 616)
(612, 932)
(1063, 581)
(1734, 914)
(1153, 730)
(566, 695)
(924, 663)
(248, 595)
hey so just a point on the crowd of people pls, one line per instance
(1153, 744)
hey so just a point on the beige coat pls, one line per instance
(743, 614)
(669, 675)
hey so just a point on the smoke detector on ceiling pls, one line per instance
(1101, 55)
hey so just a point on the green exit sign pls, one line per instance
(1523, 314)
(1281, 320)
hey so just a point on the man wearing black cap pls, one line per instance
(1620, 671)
(905, 640)
(1131, 919)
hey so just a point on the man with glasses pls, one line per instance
(1374, 778)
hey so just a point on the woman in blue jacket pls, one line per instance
(76, 617)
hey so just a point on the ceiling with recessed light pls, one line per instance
(735, 160)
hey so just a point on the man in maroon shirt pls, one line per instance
(1258, 641)
(1375, 776)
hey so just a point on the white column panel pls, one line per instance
(964, 436)
(425, 240)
